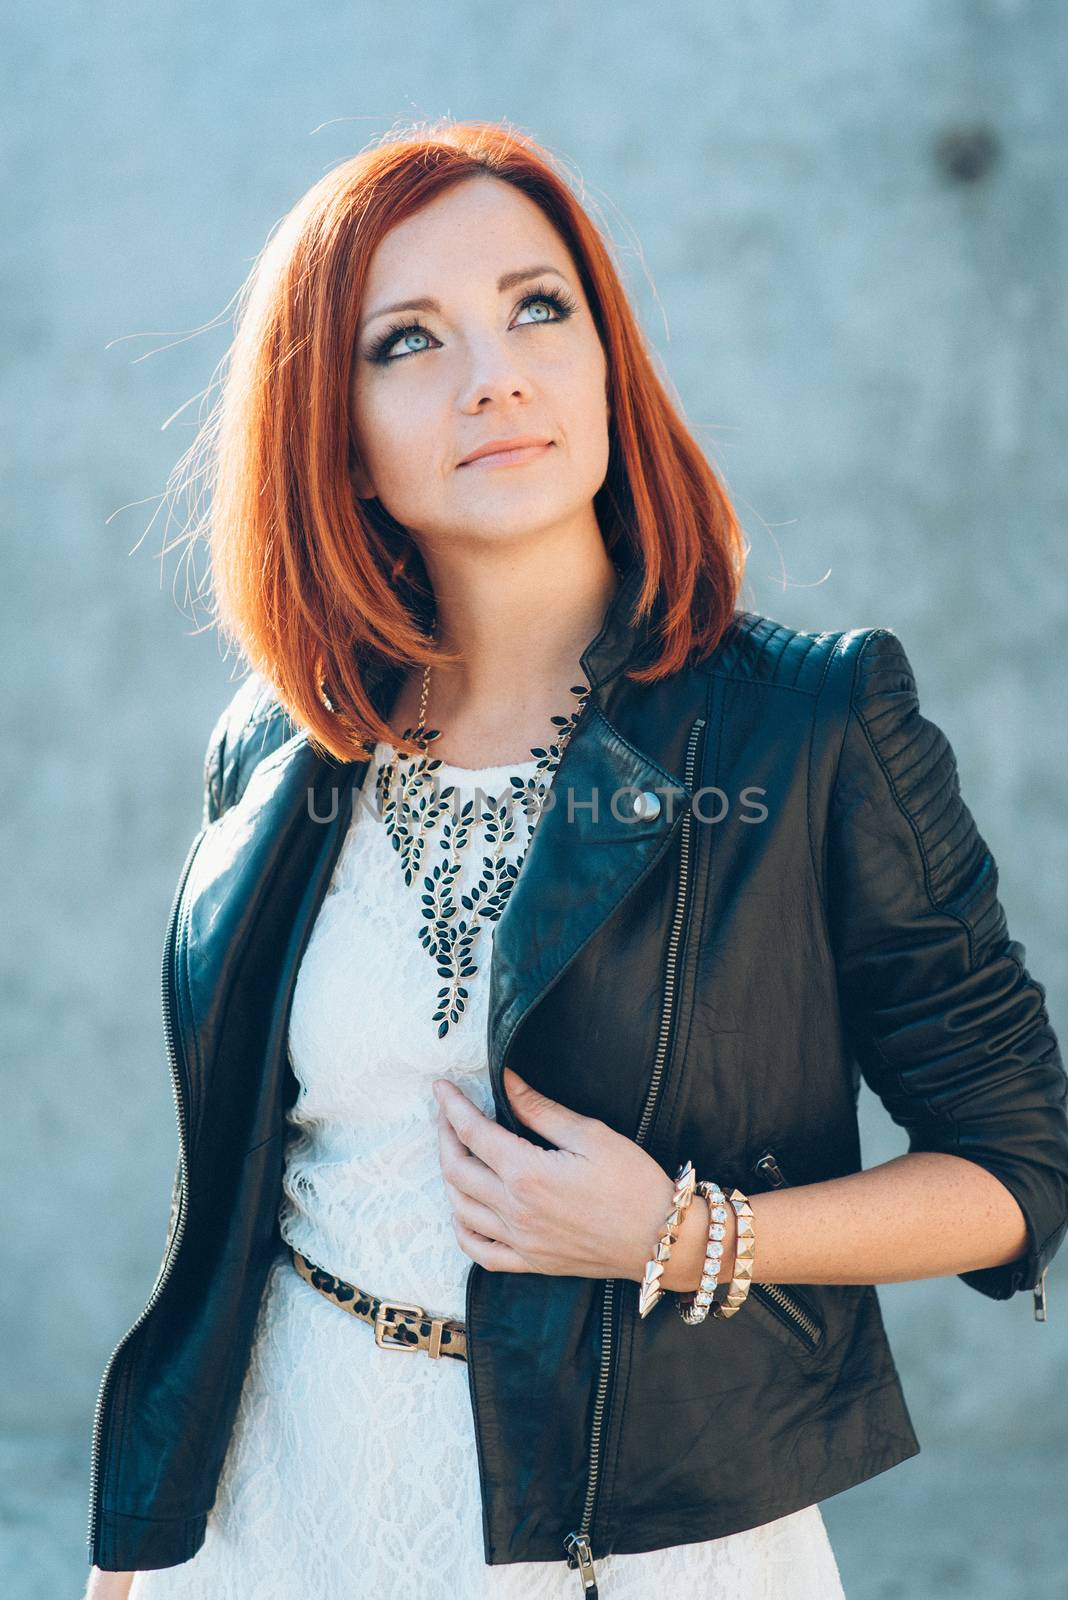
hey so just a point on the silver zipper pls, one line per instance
(773, 1294)
(778, 1296)
(577, 1544)
(580, 1555)
(769, 1168)
(171, 1256)
(1039, 1293)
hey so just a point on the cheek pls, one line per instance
(398, 434)
(580, 383)
(585, 412)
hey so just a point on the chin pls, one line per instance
(513, 515)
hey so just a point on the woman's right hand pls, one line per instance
(108, 1585)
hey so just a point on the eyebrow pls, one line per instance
(507, 280)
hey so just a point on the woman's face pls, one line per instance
(488, 336)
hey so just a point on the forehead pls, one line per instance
(481, 227)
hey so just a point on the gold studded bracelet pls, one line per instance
(649, 1290)
(742, 1276)
(695, 1306)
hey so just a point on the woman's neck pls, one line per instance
(522, 626)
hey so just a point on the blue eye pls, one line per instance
(555, 305)
(414, 333)
(541, 301)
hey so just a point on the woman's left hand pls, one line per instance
(590, 1208)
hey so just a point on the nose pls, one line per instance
(493, 376)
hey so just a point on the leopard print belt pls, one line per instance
(397, 1325)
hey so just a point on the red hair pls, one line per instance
(321, 589)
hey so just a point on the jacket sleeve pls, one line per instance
(949, 1028)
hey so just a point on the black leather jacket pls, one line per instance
(810, 902)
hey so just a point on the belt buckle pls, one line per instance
(386, 1306)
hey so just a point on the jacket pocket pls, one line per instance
(793, 1310)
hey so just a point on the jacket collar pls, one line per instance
(620, 639)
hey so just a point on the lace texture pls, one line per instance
(351, 1466)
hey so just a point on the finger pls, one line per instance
(562, 1127)
(495, 1257)
(478, 1218)
(494, 1145)
(465, 1172)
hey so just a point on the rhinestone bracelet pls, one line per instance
(693, 1306)
(649, 1290)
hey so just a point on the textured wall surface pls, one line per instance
(845, 230)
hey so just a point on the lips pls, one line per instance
(523, 447)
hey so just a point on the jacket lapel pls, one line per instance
(589, 849)
(286, 829)
(585, 855)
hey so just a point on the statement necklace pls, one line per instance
(412, 806)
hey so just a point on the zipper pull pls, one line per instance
(1039, 1292)
(769, 1168)
(580, 1554)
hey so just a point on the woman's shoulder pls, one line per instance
(815, 686)
(250, 726)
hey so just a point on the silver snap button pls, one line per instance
(647, 805)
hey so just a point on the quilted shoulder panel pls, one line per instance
(762, 650)
(921, 768)
(250, 726)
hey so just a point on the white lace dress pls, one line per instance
(352, 1469)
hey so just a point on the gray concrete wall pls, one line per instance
(854, 220)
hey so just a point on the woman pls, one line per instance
(505, 707)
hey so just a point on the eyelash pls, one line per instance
(563, 303)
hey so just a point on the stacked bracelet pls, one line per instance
(695, 1305)
(650, 1292)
